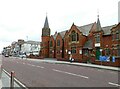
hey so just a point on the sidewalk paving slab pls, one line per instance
(77, 64)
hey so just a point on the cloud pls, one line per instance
(21, 18)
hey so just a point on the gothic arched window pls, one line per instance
(51, 44)
(73, 35)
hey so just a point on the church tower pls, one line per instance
(45, 39)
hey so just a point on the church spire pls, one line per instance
(46, 24)
(98, 24)
(46, 29)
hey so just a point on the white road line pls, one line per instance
(35, 66)
(40, 66)
(32, 65)
(100, 70)
(70, 73)
(115, 84)
(23, 63)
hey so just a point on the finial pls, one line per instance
(98, 13)
(46, 13)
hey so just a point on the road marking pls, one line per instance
(32, 65)
(100, 70)
(115, 84)
(23, 63)
(35, 66)
(70, 73)
(40, 66)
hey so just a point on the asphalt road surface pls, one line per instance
(41, 74)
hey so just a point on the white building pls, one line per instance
(31, 47)
(118, 11)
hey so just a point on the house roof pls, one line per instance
(107, 29)
(85, 29)
(32, 42)
(55, 35)
(63, 33)
(88, 44)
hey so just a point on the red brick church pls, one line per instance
(85, 43)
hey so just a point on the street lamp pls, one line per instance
(101, 54)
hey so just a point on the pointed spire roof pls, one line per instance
(98, 25)
(46, 24)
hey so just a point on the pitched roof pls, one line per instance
(85, 29)
(107, 29)
(55, 35)
(32, 42)
(62, 33)
(88, 44)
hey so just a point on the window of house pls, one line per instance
(107, 52)
(73, 50)
(117, 36)
(51, 44)
(85, 52)
(74, 36)
(50, 51)
(97, 38)
(118, 50)
(58, 42)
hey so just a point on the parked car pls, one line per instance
(6, 55)
(22, 55)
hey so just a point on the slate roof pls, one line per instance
(55, 35)
(62, 33)
(85, 29)
(107, 29)
(46, 24)
(32, 42)
(88, 44)
(98, 26)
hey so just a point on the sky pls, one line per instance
(24, 19)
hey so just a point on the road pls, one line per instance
(41, 74)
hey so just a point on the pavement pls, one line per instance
(50, 60)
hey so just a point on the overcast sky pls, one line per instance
(22, 19)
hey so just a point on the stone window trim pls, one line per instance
(74, 36)
(58, 42)
(97, 38)
(51, 44)
(73, 50)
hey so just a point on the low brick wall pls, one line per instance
(110, 63)
(35, 57)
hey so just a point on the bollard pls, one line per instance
(1, 71)
(12, 80)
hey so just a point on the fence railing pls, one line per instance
(11, 80)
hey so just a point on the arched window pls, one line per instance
(51, 44)
(74, 36)
(58, 42)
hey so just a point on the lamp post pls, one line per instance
(69, 53)
(101, 54)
